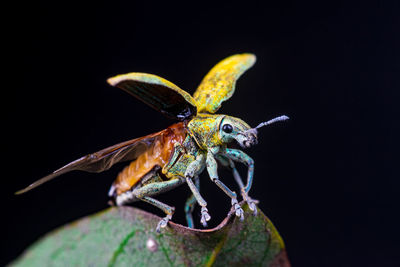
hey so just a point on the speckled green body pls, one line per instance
(202, 135)
(205, 144)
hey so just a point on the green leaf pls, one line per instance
(126, 236)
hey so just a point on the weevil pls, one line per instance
(177, 155)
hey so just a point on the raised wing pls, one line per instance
(158, 93)
(104, 159)
(219, 84)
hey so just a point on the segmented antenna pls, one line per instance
(280, 118)
(254, 130)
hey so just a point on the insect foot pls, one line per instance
(164, 221)
(237, 209)
(205, 217)
(251, 202)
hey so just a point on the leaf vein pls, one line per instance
(120, 248)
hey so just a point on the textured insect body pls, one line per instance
(157, 154)
(204, 130)
(178, 154)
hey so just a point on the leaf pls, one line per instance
(126, 236)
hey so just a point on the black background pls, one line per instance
(327, 178)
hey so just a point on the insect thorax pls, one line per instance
(204, 128)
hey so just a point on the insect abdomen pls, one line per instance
(158, 153)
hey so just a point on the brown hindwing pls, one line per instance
(158, 153)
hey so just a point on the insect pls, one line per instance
(199, 140)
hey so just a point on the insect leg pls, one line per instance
(238, 155)
(129, 196)
(212, 171)
(164, 207)
(151, 189)
(196, 194)
(192, 170)
(190, 204)
(178, 150)
(229, 163)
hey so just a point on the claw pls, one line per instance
(253, 207)
(251, 202)
(163, 223)
(238, 210)
(205, 217)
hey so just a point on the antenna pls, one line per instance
(280, 118)
(254, 130)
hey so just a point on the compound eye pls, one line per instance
(227, 128)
